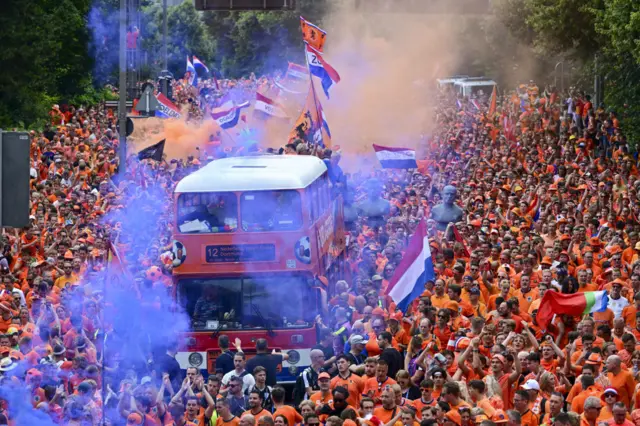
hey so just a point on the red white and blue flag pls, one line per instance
(321, 69)
(228, 115)
(198, 64)
(396, 158)
(166, 108)
(297, 72)
(265, 108)
(193, 76)
(415, 269)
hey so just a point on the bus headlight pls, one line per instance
(293, 370)
(196, 359)
(294, 357)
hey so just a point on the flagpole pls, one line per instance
(315, 104)
(313, 89)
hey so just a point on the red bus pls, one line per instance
(252, 234)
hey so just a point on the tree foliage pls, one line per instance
(43, 47)
(186, 35)
(584, 30)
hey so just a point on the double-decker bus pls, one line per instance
(252, 236)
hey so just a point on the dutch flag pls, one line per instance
(415, 269)
(228, 115)
(198, 64)
(321, 69)
(396, 158)
(166, 108)
(193, 80)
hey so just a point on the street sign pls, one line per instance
(148, 103)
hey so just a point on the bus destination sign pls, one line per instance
(241, 253)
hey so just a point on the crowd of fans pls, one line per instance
(550, 195)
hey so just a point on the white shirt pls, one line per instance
(617, 305)
(247, 380)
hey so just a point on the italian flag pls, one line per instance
(577, 305)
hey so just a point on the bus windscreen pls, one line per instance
(263, 211)
(251, 302)
(207, 213)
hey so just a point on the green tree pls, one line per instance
(260, 42)
(618, 22)
(186, 35)
(43, 46)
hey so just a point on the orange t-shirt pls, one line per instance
(258, 415)
(373, 385)
(624, 383)
(234, 421)
(385, 415)
(290, 413)
(354, 384)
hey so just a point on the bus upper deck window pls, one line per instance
(207, 212)
(263, 211)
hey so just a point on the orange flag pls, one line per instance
(312, 34)
(494, 101)
(311, 125)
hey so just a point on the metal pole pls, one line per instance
(596, 82)
(562, 77)
(165, 83)
(122, 104)
(164, 32)
(1, 227)
(555, 76)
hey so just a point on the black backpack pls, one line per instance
(299, 389)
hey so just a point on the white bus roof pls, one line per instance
(254, 173)
(452, 79)
(476, 83)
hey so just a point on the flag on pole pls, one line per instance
(166, 108)
(228, 115)
(297, 72)
(312, 34)
(396, 158)
(321, 69)
(415, 269)
(459, 239)
(198, 64)
(494, 102)
(576, 304)
(310, 125)
(475, 104)
(266, 108)
(282, 87)
(193, 77)
(153, 152)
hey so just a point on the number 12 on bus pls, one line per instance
(252, 236)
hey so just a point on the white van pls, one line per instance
(471, 86)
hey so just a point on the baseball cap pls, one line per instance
(324, 376)
(531, 384)
(357, 339)
(500, 417)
